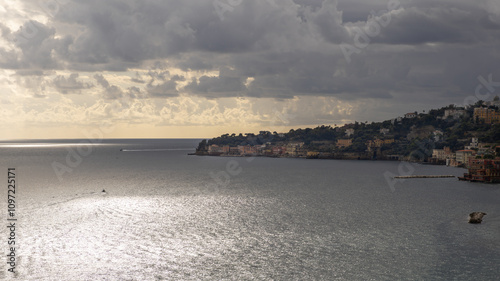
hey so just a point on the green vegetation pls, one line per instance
(426, 131)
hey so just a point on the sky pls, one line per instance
(199, 69)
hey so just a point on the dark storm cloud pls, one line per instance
(454, 23)
(329, 22)
(129, 31)
(37, 43)
(287, 47)
(359, 10)
(195, 61)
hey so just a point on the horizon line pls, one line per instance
(75, 139)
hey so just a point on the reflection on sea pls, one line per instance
(164, 217)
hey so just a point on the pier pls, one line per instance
(423, 176)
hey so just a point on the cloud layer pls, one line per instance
(391, 56)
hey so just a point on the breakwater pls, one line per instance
(423, 176)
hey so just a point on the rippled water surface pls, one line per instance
(165, 215)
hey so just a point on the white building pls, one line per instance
(494, 102)
(453, 113)
(474, 144)
(438, 135)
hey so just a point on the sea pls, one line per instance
(143, 209)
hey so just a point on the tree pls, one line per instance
(202, 146)
(479, 103)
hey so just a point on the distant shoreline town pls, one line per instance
(454, 136)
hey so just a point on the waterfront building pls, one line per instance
(462, 156)
(483, 170)
(312, 154)
(439, 154)
(247, 150)
(234, 150)
(293, 148)
(278, 150)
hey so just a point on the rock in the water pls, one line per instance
(476, 217)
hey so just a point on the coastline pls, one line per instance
(359, 158)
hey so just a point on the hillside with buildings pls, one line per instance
(449, 135)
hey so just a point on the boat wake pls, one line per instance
(158, 149)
